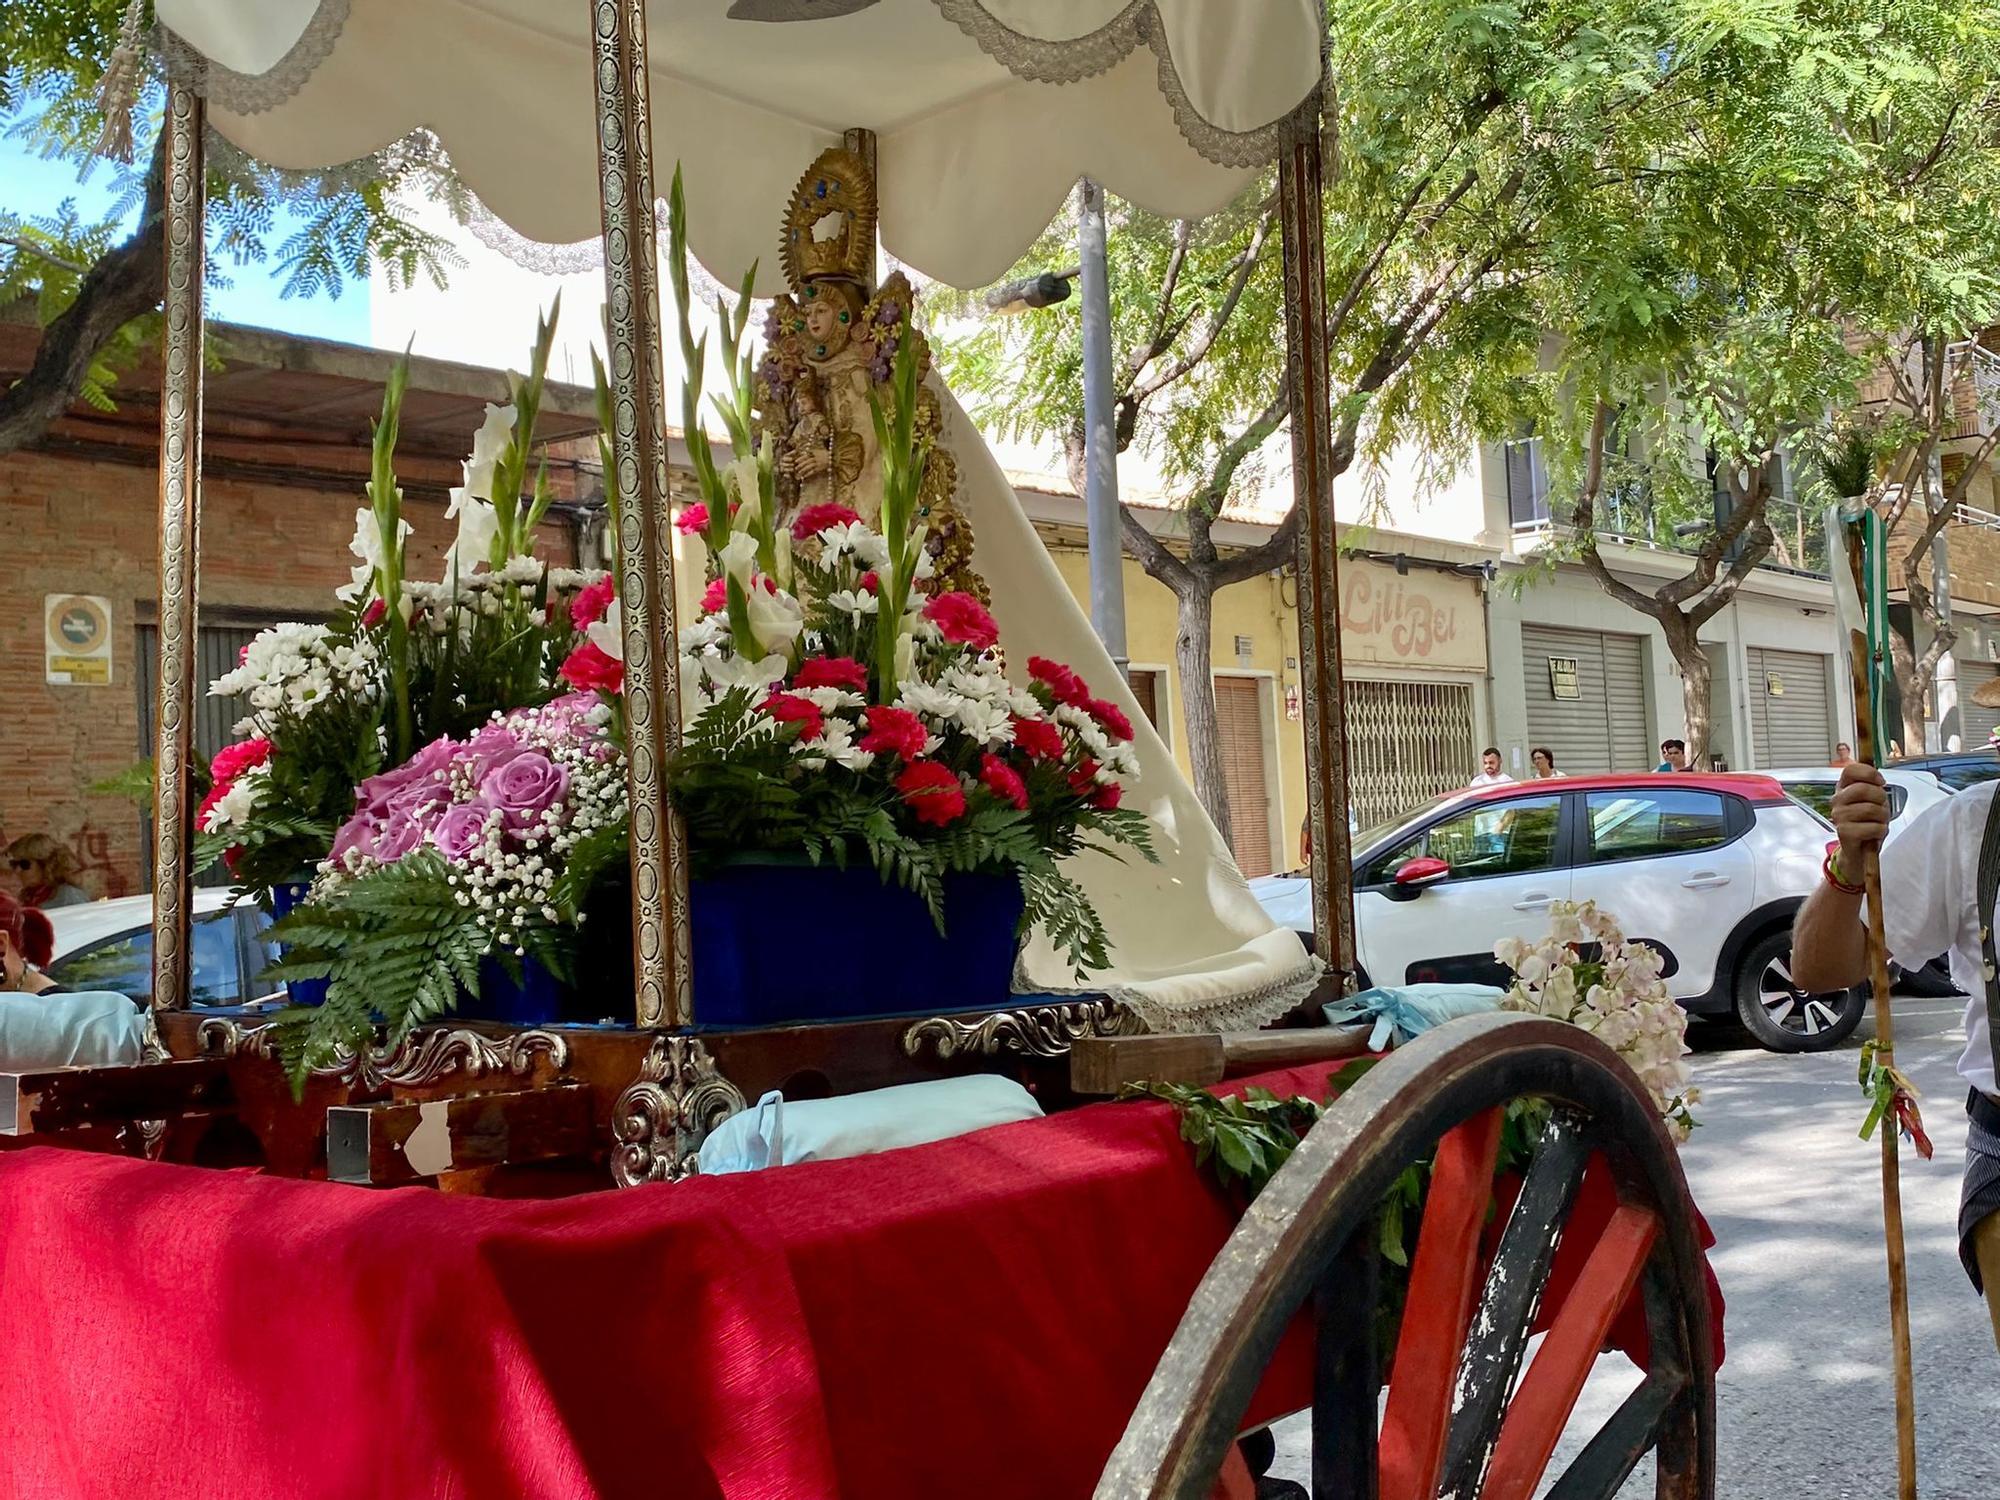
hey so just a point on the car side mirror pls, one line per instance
(1413, 876)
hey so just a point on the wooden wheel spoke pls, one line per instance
(1607, 1460)
(1345, 1385)
(1549, 1391)
(1513, 1295)
(1443, 1278)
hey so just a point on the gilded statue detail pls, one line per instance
(828, 345)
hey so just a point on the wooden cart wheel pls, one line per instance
(1455, 1422)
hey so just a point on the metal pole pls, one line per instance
(180, 543)
(1302, 227)
(1100, 442)
(645, 551)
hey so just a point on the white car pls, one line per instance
(108, 945)
(1911, 793)
(1708, 869)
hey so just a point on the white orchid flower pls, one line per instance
(494, 434)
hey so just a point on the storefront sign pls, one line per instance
(1564, 681)
(76, 645)
(1422, 619)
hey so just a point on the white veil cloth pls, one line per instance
(1191, 950)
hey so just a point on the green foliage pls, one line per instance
(397, 945)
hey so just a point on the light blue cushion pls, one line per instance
(90, 1029)
(775, 1132)
(1403, 1011)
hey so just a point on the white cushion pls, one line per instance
(91, 1029)
(777, 1133)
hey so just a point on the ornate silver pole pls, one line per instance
(180, 544)
(645, 551)
(1302, 224)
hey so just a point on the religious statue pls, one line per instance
(829, 344)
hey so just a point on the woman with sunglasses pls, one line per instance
(44, 872)
(27, 941)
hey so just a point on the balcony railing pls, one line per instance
(1975, 393)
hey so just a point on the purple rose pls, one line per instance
(428, 764)
(461, 830)
(397, 837)
(386, 839)
(491, 748)
(419, 802)
(525, 787)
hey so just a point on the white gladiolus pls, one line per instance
(608, 633)
(494, 434)
(739, 558)
(775, 618)
(739, 478)
(478, 525)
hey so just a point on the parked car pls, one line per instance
(1954, 772)
(108, 945)
(1706, 868)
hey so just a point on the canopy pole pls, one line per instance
(1302, 226)
(180, 543)
(645, 551)
(1100, 442)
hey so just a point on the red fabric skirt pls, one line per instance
(972, 1318)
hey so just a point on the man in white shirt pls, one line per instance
(1490, 773)
(1930, 899)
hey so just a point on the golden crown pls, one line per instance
(829, 232)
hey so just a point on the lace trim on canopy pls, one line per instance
(253, 93)
(1244, 1011)
(1071, 59)
(572, 259)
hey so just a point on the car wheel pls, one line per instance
(1933, 981)
(1783, 1017)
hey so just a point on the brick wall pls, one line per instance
(84, 526)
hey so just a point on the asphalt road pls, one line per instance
(1805, 1402)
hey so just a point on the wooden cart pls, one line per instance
(459, 1104)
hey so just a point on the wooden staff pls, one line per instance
(1861, 658)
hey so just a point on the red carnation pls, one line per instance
(816, 518)
(1003, 781)
(1041, 739)
(833, 672)
(932, 791)
(790, 708)
(894, 729)
(1107, 796)
(960, 617)
(1083, 780)
(692, 521)
(231, 761)
(216, 793)
(1063, 684)
(1111, 716)
(871, 583)
(589, 669)
(588, 607)
(715, 598)
(370, 617)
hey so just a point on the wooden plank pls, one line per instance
(59, 1099)
(1104, 1065)
(1443, 1276)
(380, 1144)
(1599, 1472)
(1549, 1391)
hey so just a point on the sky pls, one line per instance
(30, 186)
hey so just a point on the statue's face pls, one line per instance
(824, 324)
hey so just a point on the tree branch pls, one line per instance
(126, 283)
(44, 254)
(1152, 554)
(1241, 270)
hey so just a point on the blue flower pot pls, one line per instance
(778, 939)
(284, 900)
(535, 999)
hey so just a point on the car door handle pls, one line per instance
(1534, 901)
(1706, 880)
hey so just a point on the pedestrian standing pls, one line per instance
(44, 872)
(1673, 756)
(1843, 756)
(1940, 890)
(1543, 759)
(1490, 773)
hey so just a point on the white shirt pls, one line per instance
(1498, 778)
(1930, 886)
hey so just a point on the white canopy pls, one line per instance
(986, 111)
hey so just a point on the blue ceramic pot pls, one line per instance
(284, 900)
(535, 999)
(778, 939)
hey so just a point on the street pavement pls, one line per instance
(1805, 1403)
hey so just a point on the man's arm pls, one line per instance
(1829, 936)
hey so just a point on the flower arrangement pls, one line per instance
(841, 708)
(1585, 972)
(476, 848)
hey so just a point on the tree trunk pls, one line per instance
(1194, 658)
(1915, 698)
(1696, 685)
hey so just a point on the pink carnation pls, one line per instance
(961, 618)
(833, 672)
(1062, 682)
(231, 761)
(588, 607)
(1039, 738)
(715, 598)
(590, 669)
(1111, 716)
(693, 520)
(790, 708)
(816, 518)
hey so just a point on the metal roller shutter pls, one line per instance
(1239, 717)
(1721, 705)
(1976, 724)
(1793, 727)
(1406, 742)
(1604, 726)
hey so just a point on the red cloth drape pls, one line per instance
(972, 1318)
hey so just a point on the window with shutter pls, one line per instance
(1240, 724)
